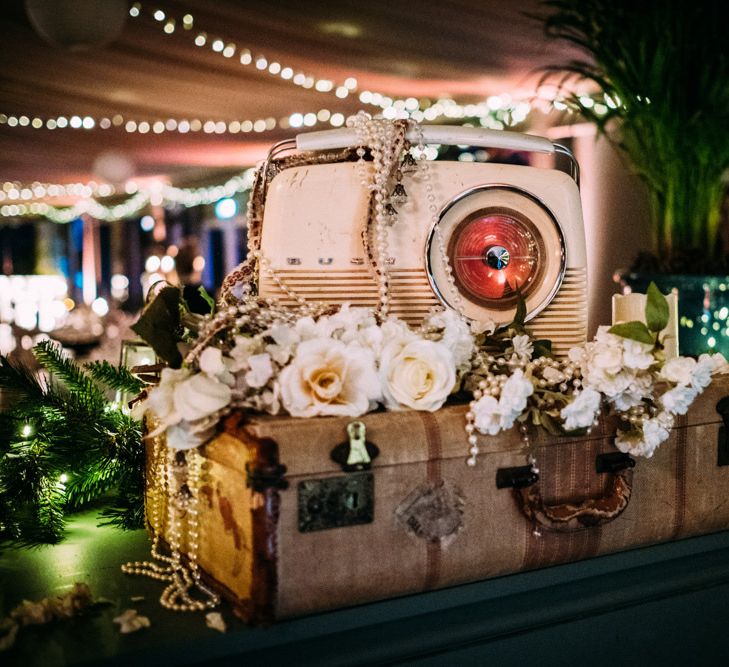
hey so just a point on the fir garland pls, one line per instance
(64, 444)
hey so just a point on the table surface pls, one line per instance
(415, 629)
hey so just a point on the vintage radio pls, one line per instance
(504, 228)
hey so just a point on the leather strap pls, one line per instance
(570, 517)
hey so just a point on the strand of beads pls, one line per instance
(180, 490)
(455, 300)
(385, 140)
(157, 495)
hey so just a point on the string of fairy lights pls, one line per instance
(156, 194)
(19, 200)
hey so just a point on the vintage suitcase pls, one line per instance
(285, 530)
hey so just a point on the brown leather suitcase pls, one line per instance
(285, 530)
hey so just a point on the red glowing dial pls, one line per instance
(493, 255)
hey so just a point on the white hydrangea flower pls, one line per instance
(260, 370)
(679, 370)
(327, 377)
(644, 442)
(639, 387)
(244, 347)
(678, 400)
(514, 394)
(637, 355)
(708, 365)
(522, 348)
(456, 335)
(487, 417)
(581, 411)
(419, 374)
(213, 363)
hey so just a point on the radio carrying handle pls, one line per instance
(445, 134)
(433, 134)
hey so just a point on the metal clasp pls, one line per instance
(722, 407)
(613, 462)
(355, 454)
(519, 477)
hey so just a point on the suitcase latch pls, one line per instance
(336, 502)
(722, 407)
(613, 462)
(516, 478)
(356, 454)
(268, 477)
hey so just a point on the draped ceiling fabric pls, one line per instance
(426, 48)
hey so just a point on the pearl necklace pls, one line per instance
(166, 491)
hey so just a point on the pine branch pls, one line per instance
(20, 380)
(114, 377)
(63, 446)
(65, 370)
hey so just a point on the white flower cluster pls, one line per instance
(343, 364)
(625, 375)
(687, 378)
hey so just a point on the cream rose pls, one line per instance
(419, 374)
(327, 377)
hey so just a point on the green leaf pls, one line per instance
(552, 426)
(634, 331)
(656, 309)
(542, 348)
(159, 325)
(521, 312)
(208, 299)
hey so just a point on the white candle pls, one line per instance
(631, 308)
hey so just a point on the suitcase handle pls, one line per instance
(573, 517)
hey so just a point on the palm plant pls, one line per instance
(662, 67)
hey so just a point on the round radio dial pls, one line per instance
(500, 244)
(497, 257)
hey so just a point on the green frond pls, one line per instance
(114, 377)
(66, 371)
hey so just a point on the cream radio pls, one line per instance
(497, 229)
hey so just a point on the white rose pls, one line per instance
(678, 400)
(580, 413)
(522, 347)
(260, 371)
(679, 370)
(327, 377)
(487, 418)
(419, 375)
(200, 396)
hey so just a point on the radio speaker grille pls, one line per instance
(564, 321)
